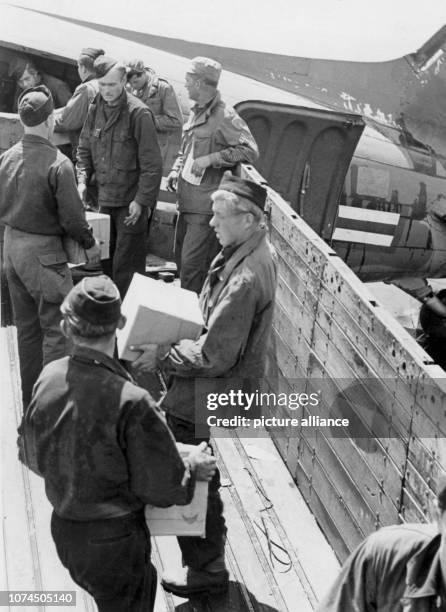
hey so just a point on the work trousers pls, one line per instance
(199, 552)
(195, 247)
(127, 246)
(38, 279)
(110, 559)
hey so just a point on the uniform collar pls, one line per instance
(37, 139)
(96, 358)
(424, 577)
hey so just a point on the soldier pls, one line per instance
(401, 568)
(27, 75)
(104, 450)
(237, 303)
(39, 203)
(72, 117)
(118, 143)
(160, 97)
(215, 138)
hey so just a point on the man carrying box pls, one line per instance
(237, 303)
(104, 450)
(39, 204)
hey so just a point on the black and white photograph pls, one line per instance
(223, 306)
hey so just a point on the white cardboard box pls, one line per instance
(100, 225)
(157, 313)
(187, 520)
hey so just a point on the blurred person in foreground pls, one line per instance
(401, 568)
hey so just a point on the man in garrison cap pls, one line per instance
(237, 303)
(72, 116)
(104, 450)
(27, 75)
(401, 568)
(159, 95)
(214, 139)
(119, 145)
(39, 204)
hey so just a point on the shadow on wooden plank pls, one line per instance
(236, 599)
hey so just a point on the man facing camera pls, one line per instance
(118, 144)
(104, 450)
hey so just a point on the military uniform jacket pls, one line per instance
(237, 302)
(218, 132)
(99, 441)
(396, 569)
(119, 144)
(72, 117)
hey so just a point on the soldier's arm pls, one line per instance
(84, 160)
(149, 158)
(72, 116)
(171, 117)
(69, 205)
(220, 347)
(157, 472)
(237, 144)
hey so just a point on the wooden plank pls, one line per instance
(341, 515)
(313, 552)
(292, 590)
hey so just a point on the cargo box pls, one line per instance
(187, 520)
(100, 226)
(157, 313)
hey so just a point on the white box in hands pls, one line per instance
(100, 226)
(157, 313)
(189, 520)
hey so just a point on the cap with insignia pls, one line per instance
(135, 66)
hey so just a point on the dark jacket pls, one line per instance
(99, 441)
(237, 302)
(119, 144)
(217, 131)
(396, 569)
(38, 192)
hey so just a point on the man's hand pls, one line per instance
(82, 191)
(150, 353)
(202, 462)
(94, 254)
(200, 164)
(172, 181)
(135, 210)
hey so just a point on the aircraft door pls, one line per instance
(304, 155)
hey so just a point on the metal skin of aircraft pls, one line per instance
(367, 186)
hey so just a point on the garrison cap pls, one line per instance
(250, 190)
(441, 493)
(103, 64)
(96, 300)
(91, 52)
(35, 105)
(135, 66)
(18, 65)
(206, 68)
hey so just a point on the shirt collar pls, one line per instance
(94, 357)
